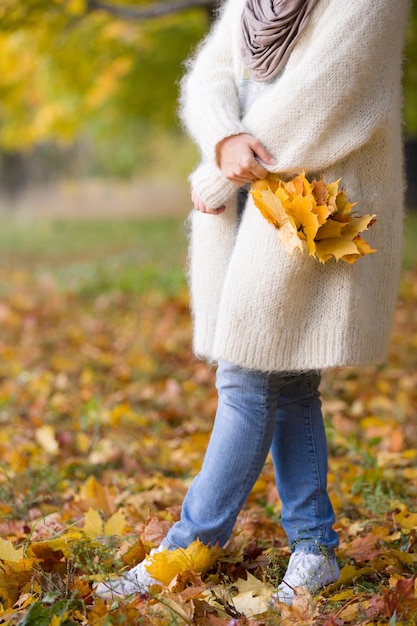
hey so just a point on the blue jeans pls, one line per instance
(258, 412)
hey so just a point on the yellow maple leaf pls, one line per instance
(342, 204)
(299, 208)
(94, 495)
(363, 248)
(9, 553)
(94, 526)
(308, 220)
(336, 247)
(116, 524)
(290, 238)
(269, 204)
(343, 595)
(330, 230)
(333, 190)
(165, 565)
(322, 211)
(350, 573)
(357, 224)
(315, 217)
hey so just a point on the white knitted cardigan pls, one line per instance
(336, 111)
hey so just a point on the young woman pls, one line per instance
(286, 86)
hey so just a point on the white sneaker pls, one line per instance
(135, 580)
(312, 571)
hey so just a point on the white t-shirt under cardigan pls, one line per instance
(335, 110)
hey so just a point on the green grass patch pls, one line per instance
(130, 255)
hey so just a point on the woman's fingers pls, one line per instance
(199, 205)
(261, 152)
(205, 209)
(239, 158)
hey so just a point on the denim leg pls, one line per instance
(238, 447)
(257, 409)
(299, 453)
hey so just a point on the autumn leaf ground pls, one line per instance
(105, 416)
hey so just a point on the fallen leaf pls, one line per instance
(350, 573)
(302, 611)
(135, 554)
(9, 553)
(406, 519)
(93, 524)
(93, 495)
(45, 436)
(252, 596)
(343, 595)
(116, 524)
(175, 611)
(401, 600)
(52, 549)
(165, 565)
(363, 549)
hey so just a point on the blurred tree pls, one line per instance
(157, 9)
(64, 63)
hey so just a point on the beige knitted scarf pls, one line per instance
(270, 31)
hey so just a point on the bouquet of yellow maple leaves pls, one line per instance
(313, 217)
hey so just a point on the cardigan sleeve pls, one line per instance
(211, 186)
(340, 88)
(209, 107)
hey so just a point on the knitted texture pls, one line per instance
(336, 111)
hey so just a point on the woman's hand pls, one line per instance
(238, 158)
(203, 208)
